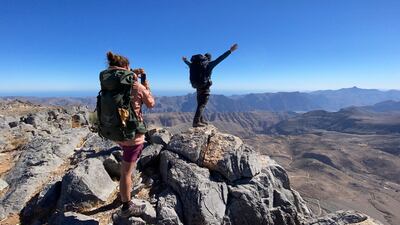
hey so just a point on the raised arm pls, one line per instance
(186, 61)
(212, 64)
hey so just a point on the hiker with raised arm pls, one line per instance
(119, 108)
(201, 67)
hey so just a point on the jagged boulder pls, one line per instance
(201, 163)
(266, 199)
(159, 136)
(112, 166)
(128, 221)
(169, 209)
(203, 199)
(149, 154)
(216, 151)
(40, 207)
(148, 217)
(72, 218)
(85, 186)
(344, 218)
(31, 171)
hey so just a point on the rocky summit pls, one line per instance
(68, 175)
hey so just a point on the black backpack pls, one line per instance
(117, 120)
(198, 71)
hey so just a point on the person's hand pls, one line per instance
(233, 47)
(138, 71)
(184, 58)
(146, 84)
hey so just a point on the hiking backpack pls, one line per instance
(198, 71)
(117, 120)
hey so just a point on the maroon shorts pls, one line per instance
(131, 153)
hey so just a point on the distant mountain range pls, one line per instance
(355, 120)
(329, 100)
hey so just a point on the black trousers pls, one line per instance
(203, 95)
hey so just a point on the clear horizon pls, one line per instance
(60, 46)
(159, 93)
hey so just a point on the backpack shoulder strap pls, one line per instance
(127, 77)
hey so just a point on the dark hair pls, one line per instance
(117, 60)
(208, 56)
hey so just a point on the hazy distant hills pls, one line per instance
(329, 100)
(386, 106)
(356, 120)
(243, 124)
(55, 101)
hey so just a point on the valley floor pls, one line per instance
(341, 171)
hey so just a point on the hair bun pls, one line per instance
(110, 56)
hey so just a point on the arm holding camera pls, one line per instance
(144, 91)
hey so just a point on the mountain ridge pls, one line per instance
(330, 100)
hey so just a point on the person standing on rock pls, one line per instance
(201, 68)
(119, 107)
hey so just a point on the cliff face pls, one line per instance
(198, 176)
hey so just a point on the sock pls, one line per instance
(125, 205)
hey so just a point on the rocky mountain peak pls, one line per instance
(197, 176)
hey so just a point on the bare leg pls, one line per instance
(125, 182)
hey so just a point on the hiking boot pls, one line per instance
(133, 210)
(199, 124)
(203, 121)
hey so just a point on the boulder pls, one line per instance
(169, 208)
(216, 151)
(149, 154)
(72, 218)
(204, 200)
(112, 166)
(342, 218)
(31, 172)
(191, 143)
(31, 119)
(43, 205)
(13, 124)
(86, 186)
(266, 199)
(148, 217)
(228, 155)
(159, 136)
(117, 220)
(79, 120)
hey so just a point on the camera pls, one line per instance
(140, 73)
(143, 78)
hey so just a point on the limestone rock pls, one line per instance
(46, 202)
(112, 166)
(31, 171)
(216, 151)
(128, 221)
(148, 217)
(149, 214)
(203, 199)
(191, 143)
(86, 185)
(159, 136)
(342, 218)
(169, 209)
(72, 218)
(149, 154)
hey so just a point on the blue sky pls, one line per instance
(284, 45)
